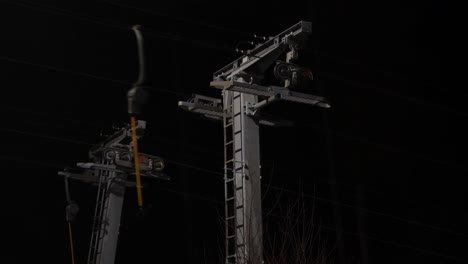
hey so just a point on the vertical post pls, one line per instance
(247, 179)
(111, 218)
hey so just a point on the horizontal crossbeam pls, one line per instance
(279, 93)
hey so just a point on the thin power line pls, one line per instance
(379, 145)
(200, 148)
(397, 218)
(408, 99)
(87, 75)
(320, 129)
(73, 72)
(32, 134)
(33, 162)
(95, 20)
(158, 138)
(60, 11)
(400, 245)
(393, 243)
(387, 242)
(270, 186)
(208, 45)
(384, 146)
(57, 69)
(171, 17)
(54, 116)
(185, 194)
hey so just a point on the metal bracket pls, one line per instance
(274, 93)
(207, 106)
(265, 53)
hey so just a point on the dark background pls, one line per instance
(385, 167)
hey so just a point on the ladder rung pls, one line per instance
(230, 199)
(230, 142)
(237, 132)
(237, 150)
(237, 96)
(229, 237)
(240, 207)
(230, 217)
(239, 188)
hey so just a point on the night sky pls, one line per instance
(384, 169)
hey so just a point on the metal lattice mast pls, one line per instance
(243, 98)
(112, 164)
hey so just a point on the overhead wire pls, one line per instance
(170, 161)
(387, 242)
(33, 134)
(116, 25)
(328, 56)
(384, 91)
(69, 71)
(266, 163)
(88, 75)
(58, 69)
(91, 19)
(392, 243)
(311, 125)
(219, 173)
(172, 17)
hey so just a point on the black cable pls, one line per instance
(376, 88)
(27, 133)
(322, 130)
(184, 19)
(81, 122)
(149, 32)
(277, 188)
(387, 242)
(368, 211)
(73, 72)
(357, 139)
(46, 137)
(215, 47)
(88, 75)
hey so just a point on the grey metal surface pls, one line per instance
(112, 164)
(111, 218)
(243, 212)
